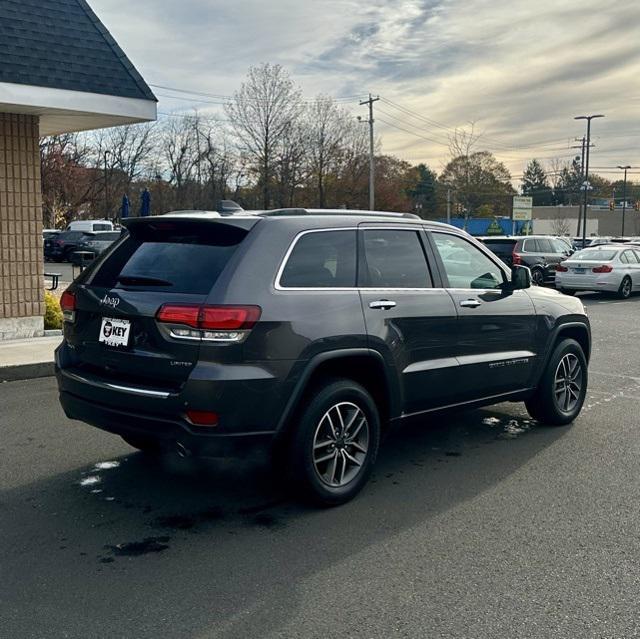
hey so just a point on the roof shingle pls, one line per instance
(62, 44)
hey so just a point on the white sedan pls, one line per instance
(609, 268)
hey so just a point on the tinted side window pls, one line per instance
(559, 246)
(394, 259)
(466, 265)
(322, 259)
(544, 245)
(530, 246)
(500, 248)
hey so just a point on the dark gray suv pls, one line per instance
(308, 333)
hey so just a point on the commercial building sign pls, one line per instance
(522, 206)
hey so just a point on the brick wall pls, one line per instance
(21, 265)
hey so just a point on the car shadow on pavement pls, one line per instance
(181, 548)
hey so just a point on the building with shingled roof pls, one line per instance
(61, 72)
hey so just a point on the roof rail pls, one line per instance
(301, 211)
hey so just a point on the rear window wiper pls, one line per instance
(141, 280)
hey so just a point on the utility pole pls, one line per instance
(448, 206)
(588, 118)
(372, 192)
(624, 196)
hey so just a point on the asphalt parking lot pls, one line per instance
(481, 524)
(65, 269)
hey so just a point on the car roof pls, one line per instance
(246, 219)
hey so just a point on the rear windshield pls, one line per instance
(500, 247)
(180, 258)
(594, 255)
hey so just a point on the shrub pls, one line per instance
(53, 312)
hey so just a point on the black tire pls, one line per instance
(551, 407)
(626, 286)
(147, 446)
(313, 434)
(537, 277)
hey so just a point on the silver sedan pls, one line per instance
(611, 268)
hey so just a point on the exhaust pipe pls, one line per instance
(182, 450)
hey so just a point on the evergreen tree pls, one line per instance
(423, 191)
(535, 184)
(568, 190)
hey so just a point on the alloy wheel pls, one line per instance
(568, 383)
(341, 444)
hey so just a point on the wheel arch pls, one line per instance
(574, 330)
(363, 365)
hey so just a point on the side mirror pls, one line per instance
(520, 277)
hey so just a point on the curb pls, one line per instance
(26, 371)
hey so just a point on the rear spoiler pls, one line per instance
(167, 222)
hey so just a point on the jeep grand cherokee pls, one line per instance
(309, 333)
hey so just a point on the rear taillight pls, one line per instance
(209, 323)
(605, 268)
(68, 306)
(517, 259)
(561, 268)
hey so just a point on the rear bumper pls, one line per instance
(248, 399)
(604, 282)
(168, 433)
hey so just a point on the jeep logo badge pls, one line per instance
(110, 301)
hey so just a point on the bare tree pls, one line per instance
(463, 141)
(560, 226)
(180, 153)
(130, 148)
(326, 126)
(261, 112)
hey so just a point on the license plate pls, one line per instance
(580, 271)
(114, 332)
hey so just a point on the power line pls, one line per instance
(223, 99)
(447, 128)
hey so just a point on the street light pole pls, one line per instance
(624, 195)
(588, 118)
(106, 185)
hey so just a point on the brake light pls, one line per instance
(229, 317)
(183, 314)
(517, 258)
(605, 268)
(68, 306)
(561, 268)
(209, 323)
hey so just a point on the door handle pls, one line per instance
(382, 304)
(470, 303)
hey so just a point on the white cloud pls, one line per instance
(520, 70)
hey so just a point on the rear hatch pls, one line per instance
(115, 334)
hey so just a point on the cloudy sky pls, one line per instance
(520, 70)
